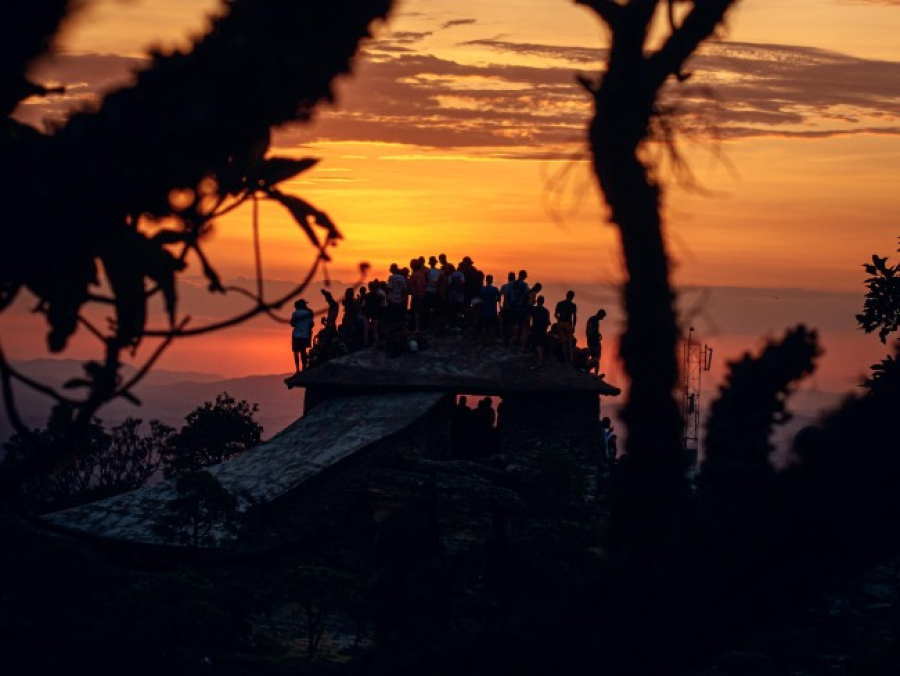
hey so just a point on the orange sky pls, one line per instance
(462, 133)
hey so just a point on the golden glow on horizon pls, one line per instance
(802, 213)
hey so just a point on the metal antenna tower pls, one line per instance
(697, 358)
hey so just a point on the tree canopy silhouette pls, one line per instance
(187, 143)
(881, 309)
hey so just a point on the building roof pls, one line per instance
(327, 436)
(455, 365)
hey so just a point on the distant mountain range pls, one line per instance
(170, 395)
(165, 395)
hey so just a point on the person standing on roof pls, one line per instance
(517, 295)
(396, 295)
(418, 284)
(474, 279)
(506, 318)
(373, 309)
(530, 302)
(566, 315)
(333, 309)
(302, 322)
(456, 295)
(540, 322)
(594, 338)
(432, 297)
(487, 309)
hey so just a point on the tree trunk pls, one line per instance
(654, 486)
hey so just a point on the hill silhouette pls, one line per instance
(165, 395)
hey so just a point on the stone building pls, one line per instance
(376, 439)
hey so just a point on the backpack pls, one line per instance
(517, 293)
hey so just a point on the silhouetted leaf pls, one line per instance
(239, 170)
(323, 221)
(302, 211)
(215, 284)
(75, 383)
(166, 280)
(128, 258)
(277, 169)
(170, 237)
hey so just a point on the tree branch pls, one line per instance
(608, 10)
(260, 308)
(683, 42)
(125, 390)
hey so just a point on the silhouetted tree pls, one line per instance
(85, 203)
(626, 115)
(110, 462)
(881, 309)
(202, 514)
(132, 457)
(321, 593)
(215, 432)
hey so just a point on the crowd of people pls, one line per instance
(437, 297)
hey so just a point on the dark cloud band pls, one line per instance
(737, 90)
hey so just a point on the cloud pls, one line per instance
(86, 77)
(433, 102)
(577, 55)
(791, 91)
(400, 95)
(457, 22)
(408, 37)
(738, 90)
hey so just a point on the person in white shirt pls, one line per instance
(301, 335)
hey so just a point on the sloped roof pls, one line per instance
(329, 434)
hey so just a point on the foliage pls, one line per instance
(753, 399)
(132, 458)
(880, 371)
(835, 510)
(202, 514)
(322, 592)
(108, 208)
(112, 462)
(215, 432)
(66, 609)
(881, 309)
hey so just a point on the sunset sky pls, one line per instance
(462, 131)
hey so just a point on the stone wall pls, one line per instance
(331, 514)
(564, 423)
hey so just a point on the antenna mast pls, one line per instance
(697, 358)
